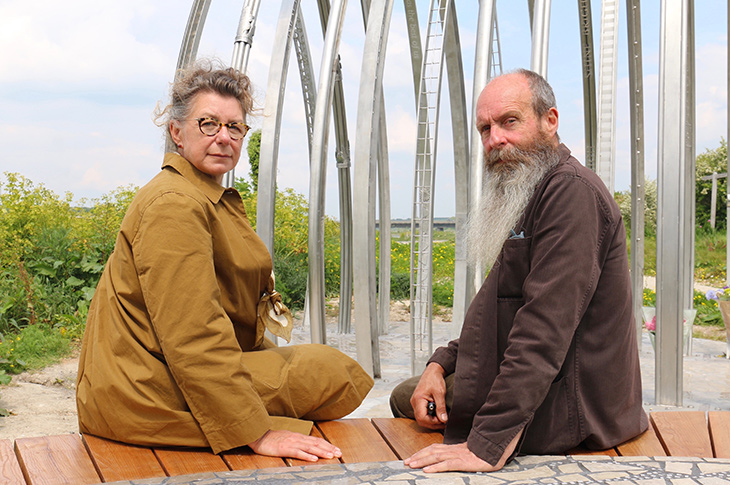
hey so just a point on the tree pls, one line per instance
(254, 149)
(712, 161)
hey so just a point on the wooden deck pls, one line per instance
(76, 459)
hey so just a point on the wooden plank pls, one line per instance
(646, 444)
(583, 451)
(52, 460)
(720, 431)
(185, 461)
(321, 461)
(405, 436)
(683, 433)
(119, 461)
(10, 472)
(244, 458)
(358, 439)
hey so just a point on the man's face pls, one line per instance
(506, 120)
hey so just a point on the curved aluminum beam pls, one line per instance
(342, 156)
(675, 187)
(190, 43)
(605, 166)
(244, 35)
(193, 31)
(270, 129)
(366, 151)
(460, 133)
(241, 50)
(429, 102)
(636, 110)
(482, 68)
(318, 171)
(306, 74)
(384, 248)
(540, 37)
(590, 118)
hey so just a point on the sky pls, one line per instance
(80, 80)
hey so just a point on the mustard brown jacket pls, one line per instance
(172, 354)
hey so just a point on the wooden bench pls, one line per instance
(86, 459)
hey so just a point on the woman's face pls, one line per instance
(214, 155)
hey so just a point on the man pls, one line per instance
(547, 357)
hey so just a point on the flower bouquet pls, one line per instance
(649, 317)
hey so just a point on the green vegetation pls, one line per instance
(53, 250)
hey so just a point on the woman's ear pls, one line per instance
(175, 132)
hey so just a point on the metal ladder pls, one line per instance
(496, 52)
(607, 92)
(422, 220)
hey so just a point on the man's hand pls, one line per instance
(431, 388)
(443, 458)
(294, 445)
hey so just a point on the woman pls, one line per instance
(173, 354)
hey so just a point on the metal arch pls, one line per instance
(342, 156)
(384, 246)
(306, 74)
(460, 133)
(540, 37)
(636, 110)
(482, 68)
(241, 50)
(190, 43)
(318, 172)
(270, 129)
(244, 35)
(366, 149)
(607, 93)
(674, 189)
(690, 170)
(193, 30)
(424, 177)
(590, 117)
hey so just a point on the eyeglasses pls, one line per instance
(211, 127)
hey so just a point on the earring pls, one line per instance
(179, 145)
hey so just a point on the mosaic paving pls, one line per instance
(558, 470)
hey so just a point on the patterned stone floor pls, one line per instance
(553, 470)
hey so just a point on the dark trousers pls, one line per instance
(400, 398)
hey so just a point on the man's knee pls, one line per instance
(400, 398)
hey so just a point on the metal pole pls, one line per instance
(638, 204)
(589, 82)
(482, 68)
(271, 125)
(541, 37)
(672, 216)
(318, 172)
(366, 151)
(607, 93)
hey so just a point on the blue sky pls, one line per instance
(79, 81)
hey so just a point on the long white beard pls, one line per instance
(506, 190)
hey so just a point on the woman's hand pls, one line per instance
(431, 388)
(294, 445)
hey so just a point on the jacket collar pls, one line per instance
(202, 181)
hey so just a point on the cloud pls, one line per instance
(81, 44)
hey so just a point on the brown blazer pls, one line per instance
(549, 342)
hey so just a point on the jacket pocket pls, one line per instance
(514, 267)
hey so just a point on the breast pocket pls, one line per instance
(514, 267)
